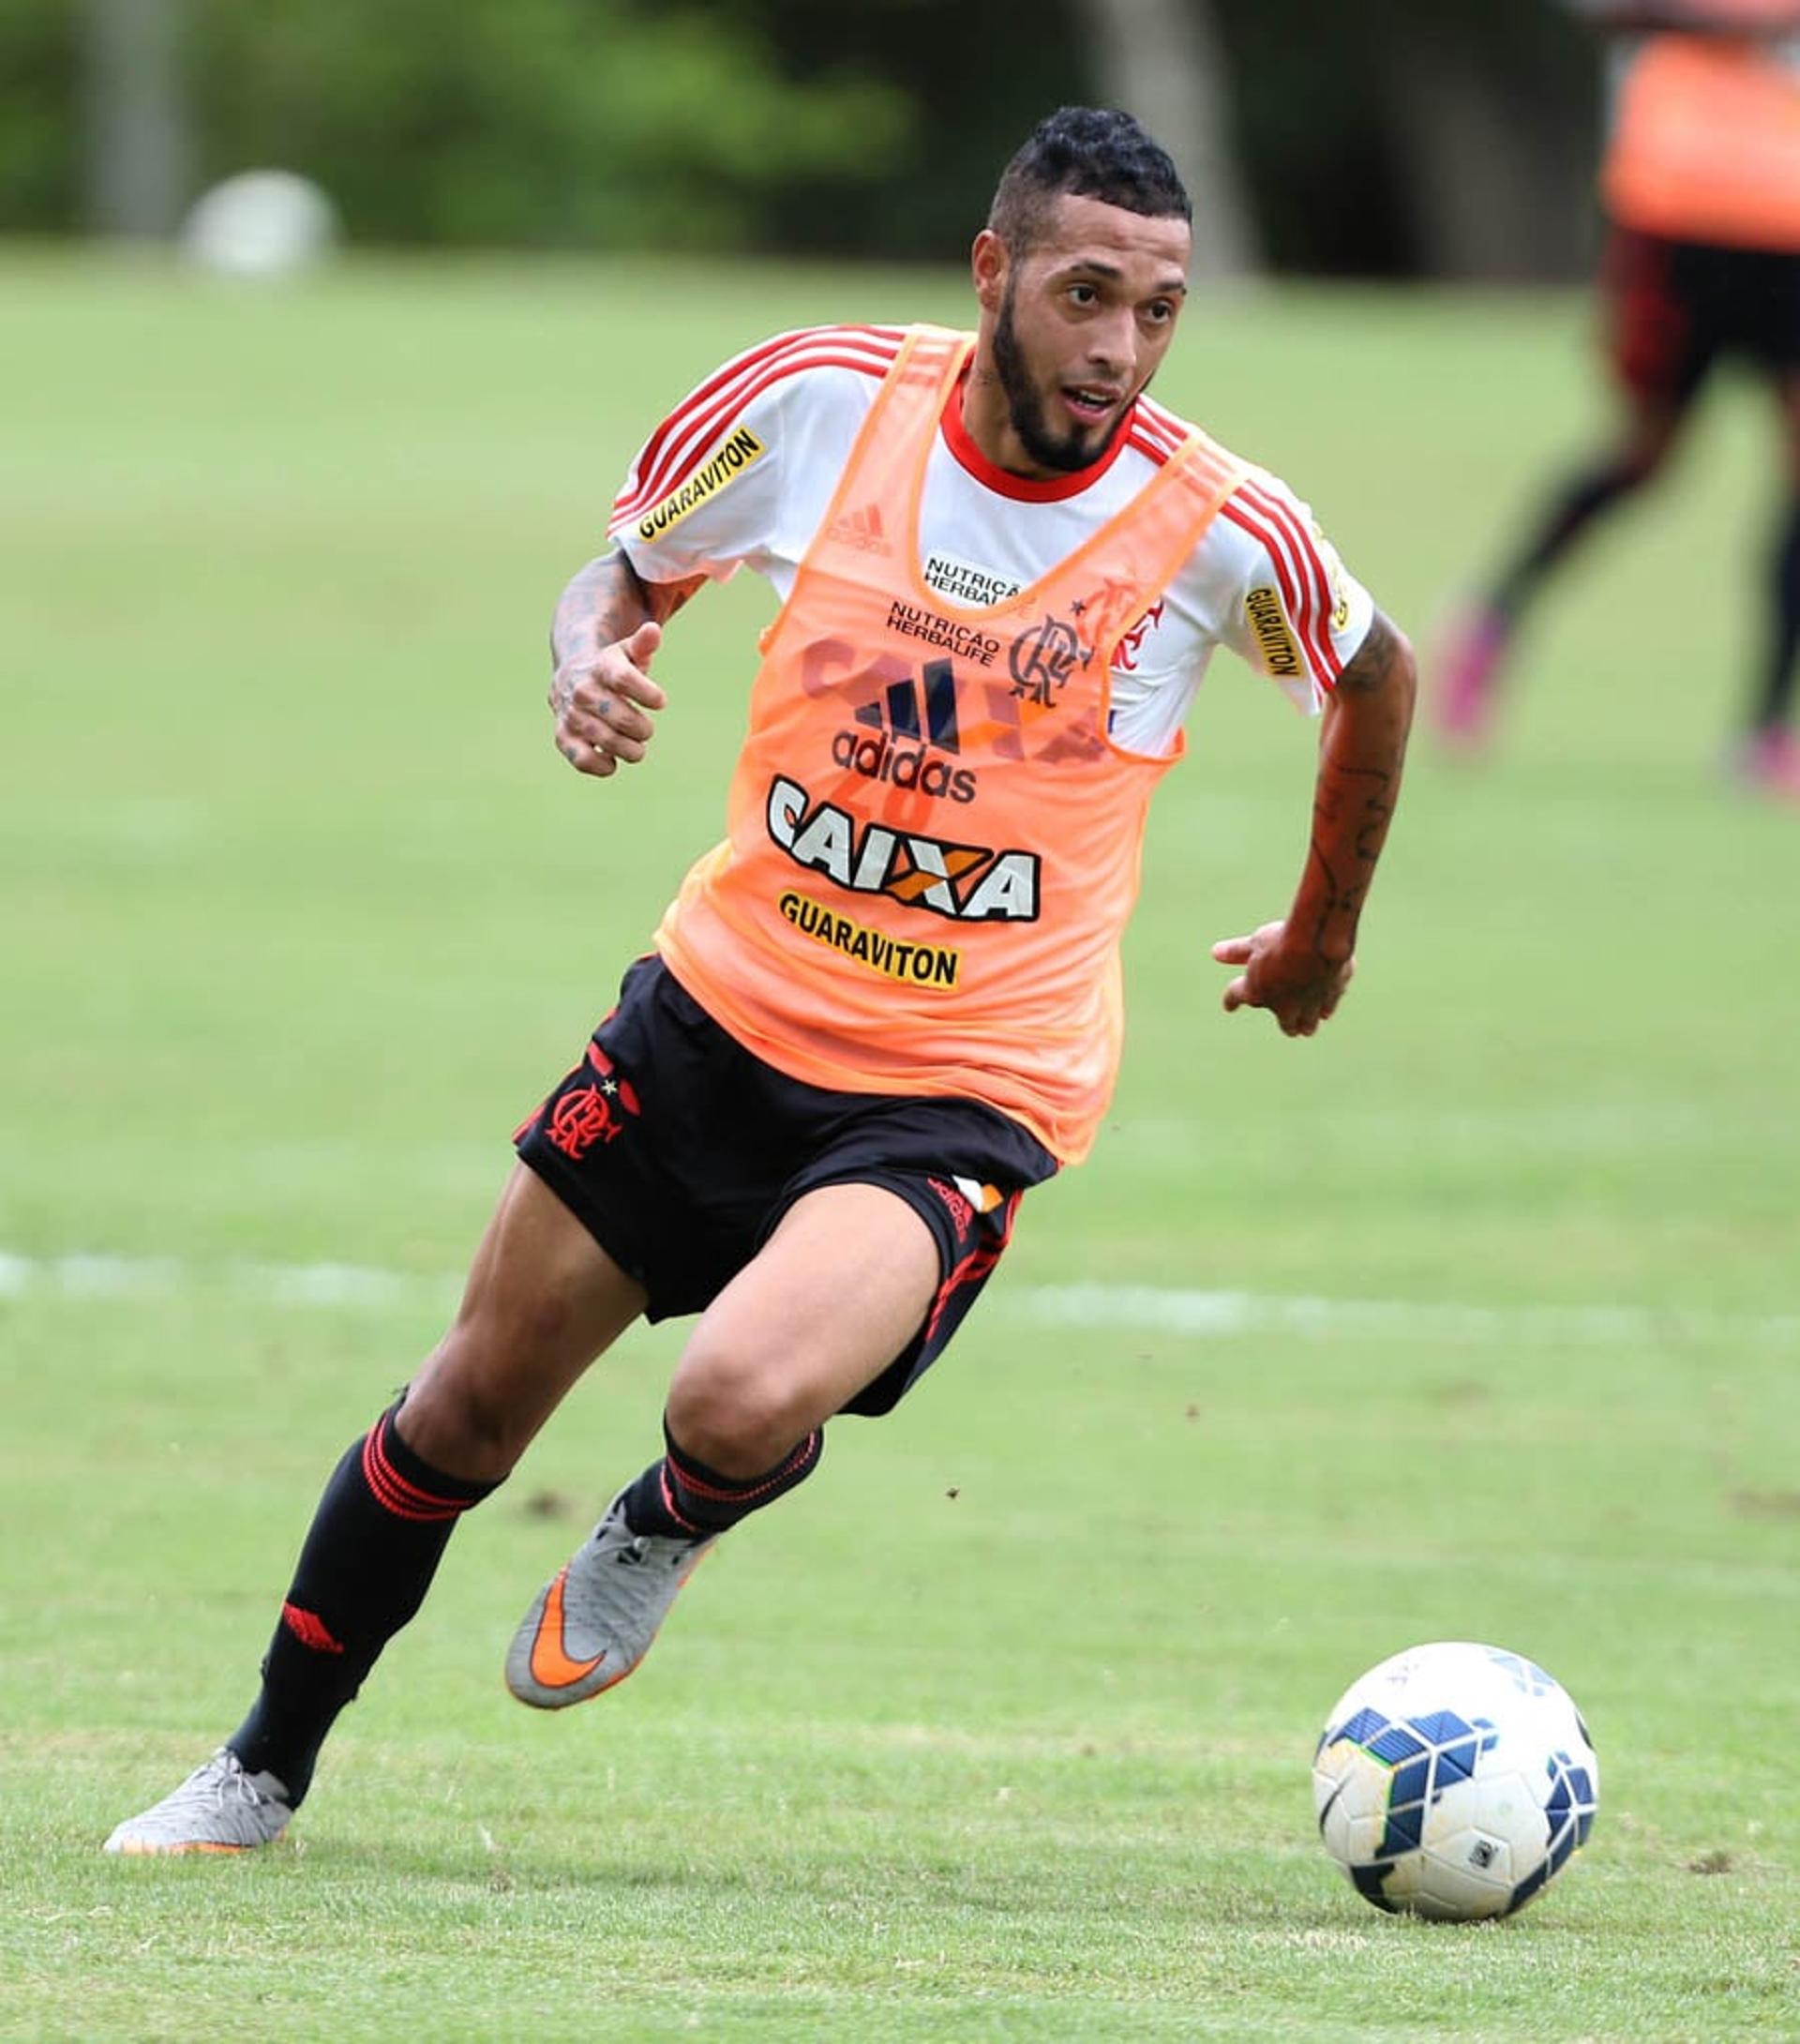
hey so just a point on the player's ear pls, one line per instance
(987, 262)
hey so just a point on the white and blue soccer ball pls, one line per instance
(1454, 1781)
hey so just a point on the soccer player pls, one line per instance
(1701, 185)
(889, 1002)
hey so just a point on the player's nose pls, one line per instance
(1111, 344)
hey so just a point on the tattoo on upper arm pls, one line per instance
(1373, 661)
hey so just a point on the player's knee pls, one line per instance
(464, 1435)
(458, 1419)
(733, 1414)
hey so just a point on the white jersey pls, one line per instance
(742, 472)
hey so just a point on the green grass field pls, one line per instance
(1000, 1728)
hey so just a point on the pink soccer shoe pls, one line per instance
(1769, 764)
(1468, 661)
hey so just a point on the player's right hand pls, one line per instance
(603, 705)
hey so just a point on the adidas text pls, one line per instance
(878, 759)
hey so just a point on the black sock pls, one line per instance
(374, 1545)
(1774, 704)
(680, 1498)
(1567, 516)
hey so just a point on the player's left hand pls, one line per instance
(1297, 986)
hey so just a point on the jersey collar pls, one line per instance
(1021, 488)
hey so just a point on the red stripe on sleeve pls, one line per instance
(1278, 543)
(742, 365)
(1152, 450)
(1252, 523)
(1158, 418)
(675, 449)
(1312, 616)
(690, 431)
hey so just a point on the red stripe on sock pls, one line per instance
(669, 1506)
(392, 1490)
(743, 1494)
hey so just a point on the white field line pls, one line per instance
(271, 1284)
(1199, 1314)
(1219, 1315)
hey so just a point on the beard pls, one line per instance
(1066, 449)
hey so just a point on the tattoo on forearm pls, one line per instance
(1358, 780)
(1333, 897)
(1360, 797)
(608, 600)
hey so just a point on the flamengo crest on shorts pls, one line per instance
(582, 1115)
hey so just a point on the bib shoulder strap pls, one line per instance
(1208, 472)
(929, 358)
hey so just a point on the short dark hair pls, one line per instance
(1092, 153)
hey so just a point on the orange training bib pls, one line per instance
(1707, 146)
(933, 846)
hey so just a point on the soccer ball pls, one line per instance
(1454, 1781)
(260, 224)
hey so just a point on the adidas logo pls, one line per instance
(861, 530)
(898, 709)
(908, 723)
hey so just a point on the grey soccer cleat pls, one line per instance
(218, 1808)
(594, 1621)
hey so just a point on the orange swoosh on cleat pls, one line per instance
(550, 1662)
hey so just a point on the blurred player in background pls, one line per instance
(889, 1003)
(1701, 187)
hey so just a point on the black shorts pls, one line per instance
(1673, 308)
(679, 1151)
